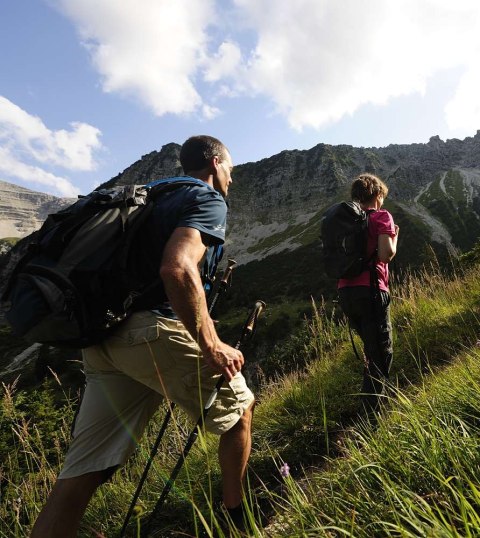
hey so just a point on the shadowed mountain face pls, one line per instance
(276, 203)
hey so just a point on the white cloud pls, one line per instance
(463, 111)
(26, 142)
(224, 63)
(316, 60)
(147, 49)
(320, 60)
(76, 148)
(210, 112)
(11, 166)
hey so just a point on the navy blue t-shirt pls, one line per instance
(196, 206)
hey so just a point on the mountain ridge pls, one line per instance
(276, 203)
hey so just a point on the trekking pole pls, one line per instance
(225, 282)
(151, 457)
(247, 331)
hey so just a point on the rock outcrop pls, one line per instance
(23, 211)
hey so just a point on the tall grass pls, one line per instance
(416, 473)
(34, 434)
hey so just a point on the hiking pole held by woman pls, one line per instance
(247, 332)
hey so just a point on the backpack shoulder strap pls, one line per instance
(162, 185)
(374, 283)
(374, 253)
(368, 212)
(210, 268)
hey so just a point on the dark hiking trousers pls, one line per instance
(371, 320)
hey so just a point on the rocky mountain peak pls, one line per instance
(153, 165)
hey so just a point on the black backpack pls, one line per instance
(77, 280)
(344, 234)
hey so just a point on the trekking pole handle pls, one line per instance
(251, 323)
(247, 331)
(227, 274)
(224, 283)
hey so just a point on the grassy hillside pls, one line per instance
(413, 473)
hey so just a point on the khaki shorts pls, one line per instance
(150, 357)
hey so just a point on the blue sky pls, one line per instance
(89, 86)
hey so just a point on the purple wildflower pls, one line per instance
(285, 470)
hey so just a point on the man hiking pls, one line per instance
(365, 299)
(168, 349)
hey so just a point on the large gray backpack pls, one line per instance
(77, 280)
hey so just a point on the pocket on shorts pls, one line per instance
(134, 336)
(142, 336)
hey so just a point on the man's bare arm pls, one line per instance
(183, 286)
